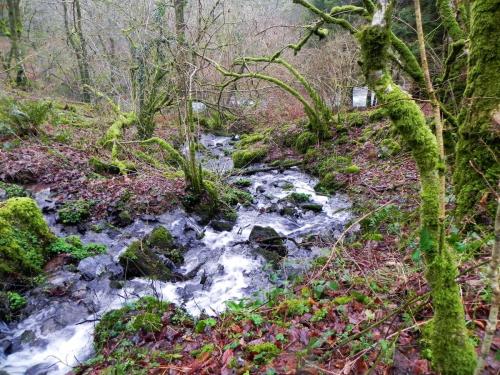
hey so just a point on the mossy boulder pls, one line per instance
(154, 256)
(270, 243)
(254, 154)
(25, 239)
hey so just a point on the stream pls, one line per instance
(61, 315)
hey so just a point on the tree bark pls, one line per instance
(15, 30)
(477, 167)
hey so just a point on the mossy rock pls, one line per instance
(98, 166)
(144, 314)
(146, 258)
(24, 241)
(250, 139)
(243, 158)
(270, 243)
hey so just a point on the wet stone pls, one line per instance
(222, 225)
(98, 266)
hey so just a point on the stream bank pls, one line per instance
(62, 314)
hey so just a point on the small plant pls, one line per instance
(201, 325)
(295, 307)
(23, 118)
(208, 348)
(13, 190)
(16, 301)
(264, 352)
(148, 321)
(243, 182)
(74, 212)
(73, 245)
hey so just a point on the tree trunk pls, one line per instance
(78, 43)
(452, 350)
(15, 30)
(477, 167)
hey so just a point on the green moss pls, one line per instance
(143, 314)
(299, 197)
(74, 212)
(250, 139)
(73, 245)
(352, 169)
(243, 158)
(233, 196)
(355, 119)
(329, 184)
(295, 307)
(243, 182)
(389, 147)
(305, 140)
(144, 258)
(377, 115)
(13, 190)
(264, 352)
(478, 135)
(24, 239)
(103, 168)
(452, 353)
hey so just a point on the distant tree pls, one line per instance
(14, 61)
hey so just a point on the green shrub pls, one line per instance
(74, 212)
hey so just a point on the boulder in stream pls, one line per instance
(270, 243)
(154, 256)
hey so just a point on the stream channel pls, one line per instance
(58, 331)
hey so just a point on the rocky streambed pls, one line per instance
(222, 261)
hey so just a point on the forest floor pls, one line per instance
(364, 309)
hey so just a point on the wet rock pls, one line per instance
(269, 240)
(312, 207)
(288, 211)
(150, 218)
(58, 263)
(222, 225)
(40, 369)
(98, 266)
(63, 315)
(260, 189)
(3, 195)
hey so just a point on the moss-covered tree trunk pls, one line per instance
(477, 156)
(451, 349)
(15, 30)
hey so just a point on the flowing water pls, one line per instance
(57, 334)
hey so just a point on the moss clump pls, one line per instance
(355, 119)
(264, 352)
(243, 158)
(13, 190)
(299, 197)
(145, 257)
(250, 139)
(305, 140)
(144, 314)
(243, 182)
(74, 212)
(24, 239)
(73, 245)
(352, 169)
(377, 114)
(389, 147)
(295, 307)
(329, 184)
(101, 167)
